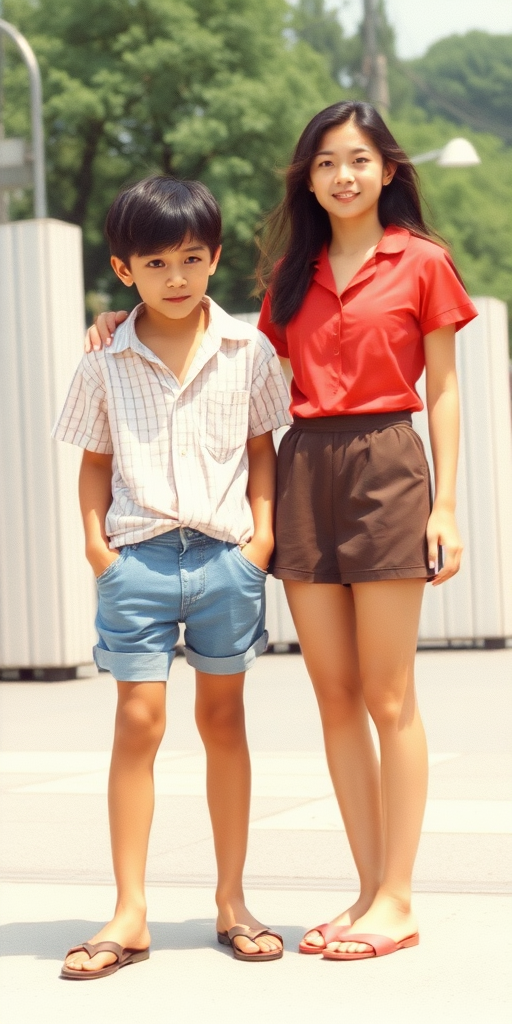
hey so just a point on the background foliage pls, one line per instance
(220, 90)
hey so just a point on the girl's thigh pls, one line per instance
(324, 618)
(387, 614)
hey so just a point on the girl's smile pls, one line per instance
(348, 172)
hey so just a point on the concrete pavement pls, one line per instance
(57, 875)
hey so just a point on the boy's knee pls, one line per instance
(138, 719)
(222, 724)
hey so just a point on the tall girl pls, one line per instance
(362, 298)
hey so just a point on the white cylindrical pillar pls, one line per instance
(47, 599)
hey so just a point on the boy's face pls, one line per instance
(171, 282)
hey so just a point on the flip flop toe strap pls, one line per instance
(244, 932)
(98, 947)
(380, 944)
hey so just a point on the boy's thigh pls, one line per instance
(139, 601)
(225, 623)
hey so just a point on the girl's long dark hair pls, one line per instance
(298, 228)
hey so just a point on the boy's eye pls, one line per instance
(192, 259)
(156, 263)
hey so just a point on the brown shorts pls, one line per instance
(353, 500)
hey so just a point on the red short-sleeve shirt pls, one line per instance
(362, 351)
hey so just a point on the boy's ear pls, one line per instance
(122, 270)
(214, 261)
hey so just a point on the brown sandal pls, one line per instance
(242, 930)
(124, 957)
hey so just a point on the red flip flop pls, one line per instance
(330, 932)
(380, 944)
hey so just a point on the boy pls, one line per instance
(176, 492)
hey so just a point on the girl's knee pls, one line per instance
(389, 709)
(338, 699)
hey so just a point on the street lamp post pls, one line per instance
(456, 153)
(12, 158)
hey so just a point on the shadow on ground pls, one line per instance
(49, 940)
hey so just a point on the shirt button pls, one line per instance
(336, 351)
(183, 452)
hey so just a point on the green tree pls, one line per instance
(469, 79)
(473, 217)
(319, 26)
(213, 89)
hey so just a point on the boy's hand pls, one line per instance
(442, 532)
(258, 552)
(102, 331)
(100, 558)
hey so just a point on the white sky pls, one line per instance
(419, 23)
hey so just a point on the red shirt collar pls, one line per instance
(394, 240)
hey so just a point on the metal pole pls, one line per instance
(375, 64)
(36, 113)
(4, 196)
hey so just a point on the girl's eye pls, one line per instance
(362, 160)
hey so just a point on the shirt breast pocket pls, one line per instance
(224, 422)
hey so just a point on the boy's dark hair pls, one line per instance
(159, 213)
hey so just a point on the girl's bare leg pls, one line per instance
(387, 616)
(139, 727)
(324, 616)
(221, 723)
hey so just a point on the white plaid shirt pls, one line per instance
(179, 450)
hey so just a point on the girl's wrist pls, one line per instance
(444, 505)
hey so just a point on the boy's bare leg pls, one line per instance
(221, 723)
(139, 727)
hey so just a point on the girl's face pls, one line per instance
(348, 173)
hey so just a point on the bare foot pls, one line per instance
(386, 916)
(129, 929)
(347, 917)
(233, 912)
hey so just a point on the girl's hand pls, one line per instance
(101, 332)
(442, 532)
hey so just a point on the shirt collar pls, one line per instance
(394, 240)
(221, 328)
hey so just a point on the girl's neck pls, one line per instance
(350, 237)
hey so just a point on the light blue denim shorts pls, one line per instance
(179, 576)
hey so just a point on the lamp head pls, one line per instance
(458, 153)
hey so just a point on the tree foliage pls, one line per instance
(469, 79)
(220, 90)
(210, 89)
(474, 218)
(319, 26)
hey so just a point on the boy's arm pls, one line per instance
(261, 490)
(95, 493)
